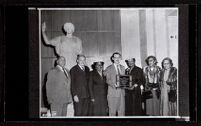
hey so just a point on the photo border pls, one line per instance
(186, 118)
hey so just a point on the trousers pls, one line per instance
(82, 107)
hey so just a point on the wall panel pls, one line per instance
(99, 31)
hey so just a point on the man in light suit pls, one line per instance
(58, 88)
(115, 96)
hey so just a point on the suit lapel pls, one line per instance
(63, 74)
(134, 70)
(98, 75)
(80, 70)
(122, 69)
(114, 69)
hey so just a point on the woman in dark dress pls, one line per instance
(98, 91)
(133, 94)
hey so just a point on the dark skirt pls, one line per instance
(133, 103)
(99, 106)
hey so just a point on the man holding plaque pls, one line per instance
(133, 94)
(116, 94)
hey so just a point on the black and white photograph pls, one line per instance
(109, 62)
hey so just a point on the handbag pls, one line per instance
(158, 93)
(147, 95)
(153, 85)
(172, 96)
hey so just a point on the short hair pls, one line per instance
(59, 59)
(67, 24)
(80, 55)
(153, 57)
(130, 58)
(167, 58)
(94, 64)
(115, 53)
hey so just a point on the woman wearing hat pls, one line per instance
(98, 90)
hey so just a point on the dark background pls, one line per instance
(20, 65)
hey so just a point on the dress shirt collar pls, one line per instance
(81, 67)
(131, 68)
(100, 73)
(60, 68)
(115, 65)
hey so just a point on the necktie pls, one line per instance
(65, 72)
(118, 69)
(83, 68)
(128, 71)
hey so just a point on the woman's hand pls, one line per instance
(76, 99)
(93, 100)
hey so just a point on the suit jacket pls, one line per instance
(79, 82)
(137, 77)
(111, 74)
(58, 87)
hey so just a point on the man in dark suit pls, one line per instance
(133, 94)
(80, 89)
(116, 95)
(58, 88)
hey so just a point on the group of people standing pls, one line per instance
(162, 83)
(96, 93)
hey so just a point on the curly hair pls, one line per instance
(167, 58)
(115, 53)
(153, 57)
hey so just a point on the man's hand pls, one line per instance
(135, 85)
(141, 87)
(43, 27)
(76, 99)
(115, 85)
(132, 87)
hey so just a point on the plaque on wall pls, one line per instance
(124, 81)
